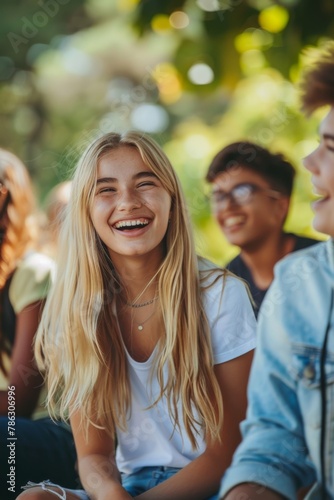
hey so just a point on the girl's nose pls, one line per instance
(310, 161)
(128, 200)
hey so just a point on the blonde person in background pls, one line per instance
(25, 278)
(55, 205)
(140, 338)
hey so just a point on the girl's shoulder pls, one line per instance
(229, 312)
(208, 271)
(220, 287)
(215, 277)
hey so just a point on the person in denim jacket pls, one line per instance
(288, 435)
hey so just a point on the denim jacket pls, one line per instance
(282, 431)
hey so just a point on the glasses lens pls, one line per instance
(242, 193)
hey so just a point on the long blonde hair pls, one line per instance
(17, 223)
(78, 342)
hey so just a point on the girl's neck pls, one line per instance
(139, 278)
(138, 287)
(136, 294)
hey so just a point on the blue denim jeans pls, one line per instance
(136, 483)
(148, 477)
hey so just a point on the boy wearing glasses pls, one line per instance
(251, 190)
(288, 436)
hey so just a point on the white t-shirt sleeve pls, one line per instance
(231, 318)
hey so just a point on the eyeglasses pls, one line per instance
(241, 194)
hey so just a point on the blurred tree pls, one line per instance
(27, 31)
(27, 28)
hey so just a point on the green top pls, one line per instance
(31, 280)
(30, 283)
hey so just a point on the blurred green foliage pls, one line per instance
(194, 74)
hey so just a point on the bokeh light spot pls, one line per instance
(179, 20)
(197, 146)
(252, 39)
(208, 5)
(150, 118)
(274, 18)
(167, 79)
(160, 24)
(201, 74)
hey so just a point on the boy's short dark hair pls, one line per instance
(317, 84)
(274, 168)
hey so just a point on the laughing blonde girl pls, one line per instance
(143, 342)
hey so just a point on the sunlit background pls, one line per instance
(195, 75)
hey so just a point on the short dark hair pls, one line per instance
(273, 167)
(317, 83)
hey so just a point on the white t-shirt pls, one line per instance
(150, 439)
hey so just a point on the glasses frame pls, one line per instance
(230, 196)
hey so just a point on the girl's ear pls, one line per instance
(3, 189)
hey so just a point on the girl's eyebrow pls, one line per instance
(139, 175)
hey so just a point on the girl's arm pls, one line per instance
(96, 459)
(201, 478)
(24, 375)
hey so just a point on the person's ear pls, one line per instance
(283, 205)
(3, 189)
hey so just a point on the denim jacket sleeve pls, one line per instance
(282, 426)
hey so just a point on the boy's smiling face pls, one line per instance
(250, 224)
(321, 165)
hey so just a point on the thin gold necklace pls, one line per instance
(140, 326)
(143, 304)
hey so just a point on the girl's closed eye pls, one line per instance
(106, 189)
(327, 141)
(146, 184)
(329, 145)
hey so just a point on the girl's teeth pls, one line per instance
(130, 223)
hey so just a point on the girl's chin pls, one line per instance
(323, 225)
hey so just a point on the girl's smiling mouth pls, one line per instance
(127, 224)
